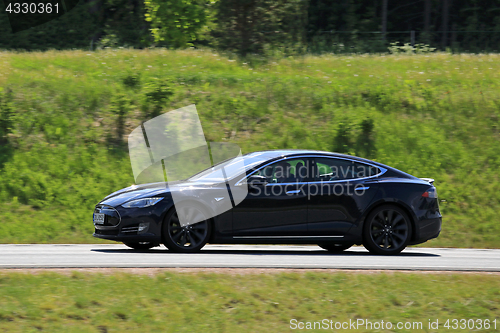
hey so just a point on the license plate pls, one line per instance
(98, 218)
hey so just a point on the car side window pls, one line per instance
(331, 169)
(286, 171)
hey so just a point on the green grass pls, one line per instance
(430, 115)
(207, 302)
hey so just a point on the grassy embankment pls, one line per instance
(185, 302)
(432, 116)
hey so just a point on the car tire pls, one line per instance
(189, 238)
(387, 230)
(335, 247)
(140, 245)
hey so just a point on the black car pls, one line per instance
(277, 197)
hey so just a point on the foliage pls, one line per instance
(268, 27)
(157, 93)
(120, 105)
(240, 302)
(88, 25)
(131, 80)
(108, 41)
(473, 25)
(366, 138)
(343, 139)
(73, 30)
(254, 26)
(177, 23)
(124, 24)
(407, 48)
(432, 115)
(6, 114)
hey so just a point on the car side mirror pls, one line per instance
(256, 180)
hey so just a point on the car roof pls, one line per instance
(274, 153)
(279, 152)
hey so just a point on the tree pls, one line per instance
(384, 18)
(124, 23)
(249, 26)
(177, 23)
(427, 20)
(444, 24)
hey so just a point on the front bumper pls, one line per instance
(130, 219)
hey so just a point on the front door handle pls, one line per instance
(293, 192)
(363, 188)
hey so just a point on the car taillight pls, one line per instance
(430, 193)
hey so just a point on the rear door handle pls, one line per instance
(293, 192)
(363, 188)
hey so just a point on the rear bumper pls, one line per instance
(427, 229)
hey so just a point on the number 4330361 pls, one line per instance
(471, 324)
(32, 8)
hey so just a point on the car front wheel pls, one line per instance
(189, 237)
(387, 230)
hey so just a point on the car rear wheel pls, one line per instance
(387, 230)
(186, 238)
(332, 247)
(140, 245)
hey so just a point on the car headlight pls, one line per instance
(141, 203)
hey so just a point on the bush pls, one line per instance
(416, 113)
(6, 115)
(157, 93)
(120, 106)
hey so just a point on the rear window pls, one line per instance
(330, 169)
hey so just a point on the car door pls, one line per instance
(340, 191)
(278, 206)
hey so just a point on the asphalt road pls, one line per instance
(244, 256)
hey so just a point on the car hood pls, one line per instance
(150, 190)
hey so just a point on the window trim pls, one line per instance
(382, 170)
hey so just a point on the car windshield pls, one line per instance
(229, 169)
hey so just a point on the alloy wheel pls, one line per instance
(189, 237)
(387, 231)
